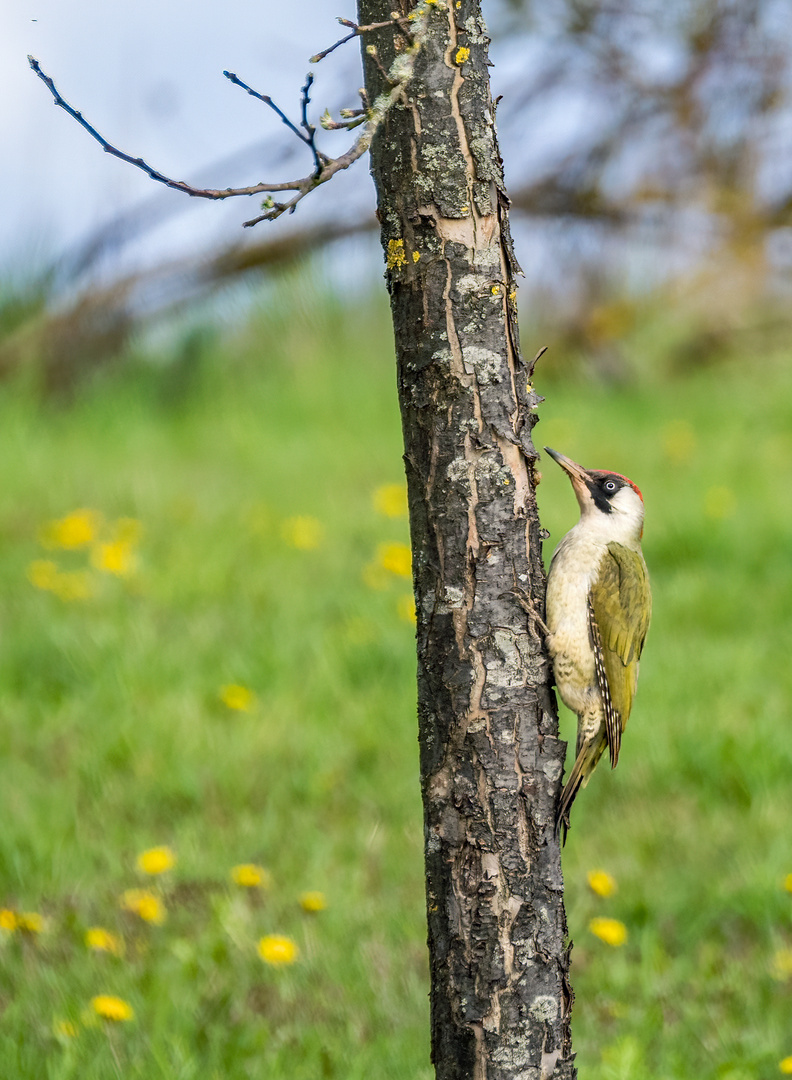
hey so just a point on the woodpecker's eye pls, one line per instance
(611, 485)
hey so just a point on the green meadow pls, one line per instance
(206, 646)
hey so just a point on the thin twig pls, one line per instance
(371, 50)
(319, 158)
(235, 79)
(309, 138)
(326, 52)
(535, 361)
(357, 30)
(350, 118)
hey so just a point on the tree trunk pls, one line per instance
(491, 760)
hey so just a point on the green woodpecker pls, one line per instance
(598, 610)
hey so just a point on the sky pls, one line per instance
(149, 77)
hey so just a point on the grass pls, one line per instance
(115, 738)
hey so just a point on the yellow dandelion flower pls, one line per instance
(391, 500)
(115, 557)
(405, 606)
(30, 921)
(785, 1065)
(462, 55)
(112, 1008)
(788, 883)
(302, 532)
(237, 697)
(720, 503)
(781, 966)
(396, 559)
(313, 901)
(611, 931)
(73, 585)
(601, 883)
(144, 904)
(251, 876)
(156, 860)
(8, 920)
(278, 951)
(64, 1029)
(76, 530)
(101, 940)
(42, 573)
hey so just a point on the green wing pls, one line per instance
(621, 605)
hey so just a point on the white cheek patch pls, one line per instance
(625, 501)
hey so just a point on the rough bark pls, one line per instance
(491, 760)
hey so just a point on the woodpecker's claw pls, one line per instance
(529, 607)
(562, 822)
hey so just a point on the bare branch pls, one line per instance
(374, 118)
(178, 185)
(324, 167)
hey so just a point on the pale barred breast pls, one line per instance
(574, 568)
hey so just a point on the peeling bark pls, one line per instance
(491, 760)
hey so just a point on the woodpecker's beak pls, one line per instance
(576, 473)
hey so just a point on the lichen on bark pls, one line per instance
(491, 760)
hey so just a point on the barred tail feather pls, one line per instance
(584, 766)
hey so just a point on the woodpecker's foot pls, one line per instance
(562, 827)
(529, 607)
